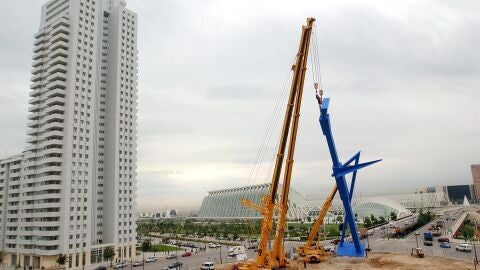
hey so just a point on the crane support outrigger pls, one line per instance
(275, 258)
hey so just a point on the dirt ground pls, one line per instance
(377, 260)
(391, 261)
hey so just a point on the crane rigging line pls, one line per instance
(272, 123)
(315, 62)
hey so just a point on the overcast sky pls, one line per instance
(403, 76)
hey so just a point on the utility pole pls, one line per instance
(416, 234)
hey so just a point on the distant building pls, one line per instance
(476, 179)
(167, 214)
(457, 193)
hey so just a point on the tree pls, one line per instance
(468, 232)
(367, 222)
(373, 219)
(393, 216)
(108, 254)
(62, 259)
(146, 246)
(381, 220)
(339, 219)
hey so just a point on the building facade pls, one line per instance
(72, 191)
(476, 179)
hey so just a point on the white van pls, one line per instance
(236, 250)
(464, 247)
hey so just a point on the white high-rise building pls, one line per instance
(72, 191)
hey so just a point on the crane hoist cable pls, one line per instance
(315, 62)
(272, 124)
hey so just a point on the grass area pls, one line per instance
(163, 248)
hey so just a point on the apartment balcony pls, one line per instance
(56, 108)
(59, 22)
(33, 116)
(36, 84)
(35, 100)
(49, 177)
(50, 142)
(41, 250)
(59, 45)
(33, 124)
(59, 37)
(57, 117)
(49, 160)
(32, 132)
(57, 60)
(57, 68)
(33, 139)
(44, 214)
(56, 84)
(40, 33)
(58, 52)
(48, 94)
(54, 125)
(37, 70)
(58, 195)
(39, 54)
(51, 134)
(37, 63)
(34, 108)
(36, 78)
(61, 29)
(39, 48)
(56, 76)
(35, 92)
(39, 40)
(54, 101)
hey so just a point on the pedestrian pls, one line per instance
(304, 264)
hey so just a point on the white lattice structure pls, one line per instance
(421, 200)
(225, 203)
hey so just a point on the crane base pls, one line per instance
(348, 249)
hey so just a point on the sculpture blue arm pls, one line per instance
(339, 172)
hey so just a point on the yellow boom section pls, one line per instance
(315, 255)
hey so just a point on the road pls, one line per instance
(190, 262)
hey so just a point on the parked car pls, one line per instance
(212, 245)
(175, 265)
(445, 245)
(149, 260)
(443, 239)
(101, 268)
(207, 266)
(171, 256)
(428, 243)
(120, 265)
(218, 245)
(464, 247)
(187, 254)
(137, 263)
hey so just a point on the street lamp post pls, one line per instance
(417, 233)
(221, 262)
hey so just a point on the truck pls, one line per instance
(428, 236)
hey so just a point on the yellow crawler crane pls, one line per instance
(275, 258)
(315, 254)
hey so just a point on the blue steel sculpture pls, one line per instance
(356, 249)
